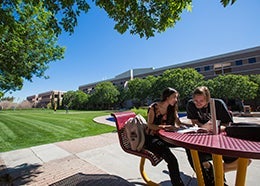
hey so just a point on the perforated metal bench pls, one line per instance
(120, 119)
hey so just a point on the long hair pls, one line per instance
(171, 109)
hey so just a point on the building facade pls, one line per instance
(244, 62)
(43, 99)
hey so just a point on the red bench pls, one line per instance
(120, 119)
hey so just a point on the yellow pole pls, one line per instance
(197, 167)
(143, 174)
(241, 171)
(218, 169)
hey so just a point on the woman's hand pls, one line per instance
(169, 128)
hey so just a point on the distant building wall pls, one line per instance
(242, 62)
(43, 99)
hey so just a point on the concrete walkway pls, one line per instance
(97, 160)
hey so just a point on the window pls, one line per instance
(252, 60)
(239, 62)
(206, 68)
(218, 71)
(197, 69)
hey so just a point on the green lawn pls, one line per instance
(27, 128)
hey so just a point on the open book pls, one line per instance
(192, 130)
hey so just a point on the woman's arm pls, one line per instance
(179, 123)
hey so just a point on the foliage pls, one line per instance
(144, 17)
(63, 14)
(141, 111)
(27, 44)
(24, 105)
(234, 86)
(28, 128)
(123, 95)
(183, 80)
(256, 79)
(29, 30)
(9, 104)
(226, 2)
(75, 100)
(105, 95)
(11, 99)
(138, 90)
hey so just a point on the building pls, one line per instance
(43, 99)
(242, 62)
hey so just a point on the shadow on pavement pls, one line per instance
(19, 175)
(81, 179)
(187, 180)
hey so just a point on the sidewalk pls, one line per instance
(96, 160)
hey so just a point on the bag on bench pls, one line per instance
(135, 131)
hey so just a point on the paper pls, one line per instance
(192, 130)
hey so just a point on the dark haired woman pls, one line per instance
(163, 115)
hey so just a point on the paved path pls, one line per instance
(96, 160)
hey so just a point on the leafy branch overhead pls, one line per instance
(29, 30)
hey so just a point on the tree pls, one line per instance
(256, 79)
(75, 100)
(233, 87)
(11, 99)
(105, 94)
(145, 17)
(27, 44)
(139, 90)
(122, 97)
(183, 80)
(29, 30)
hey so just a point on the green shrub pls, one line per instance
(142, 111)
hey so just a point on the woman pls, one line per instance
(198, 111)
(163, 115)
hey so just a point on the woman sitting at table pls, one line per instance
(198, 111)
(163, 115)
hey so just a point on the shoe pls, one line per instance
(208, 175)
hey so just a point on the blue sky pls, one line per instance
(97, 52)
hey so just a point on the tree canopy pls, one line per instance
(29, 30)
(27, 44)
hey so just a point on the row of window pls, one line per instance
(224, 65)
(219, 68)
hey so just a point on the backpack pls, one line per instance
(243, 130)
(135, 128)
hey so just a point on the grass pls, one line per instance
(27, 128)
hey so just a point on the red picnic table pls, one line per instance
(218, 145)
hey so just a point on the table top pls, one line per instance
(214, 144)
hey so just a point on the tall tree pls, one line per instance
(29, 29)
(183, 80)
(139, 90)
(27, 44)
(105, 94)
(234, 86)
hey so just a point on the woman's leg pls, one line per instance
(157, 146)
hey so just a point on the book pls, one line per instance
(194, 129)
